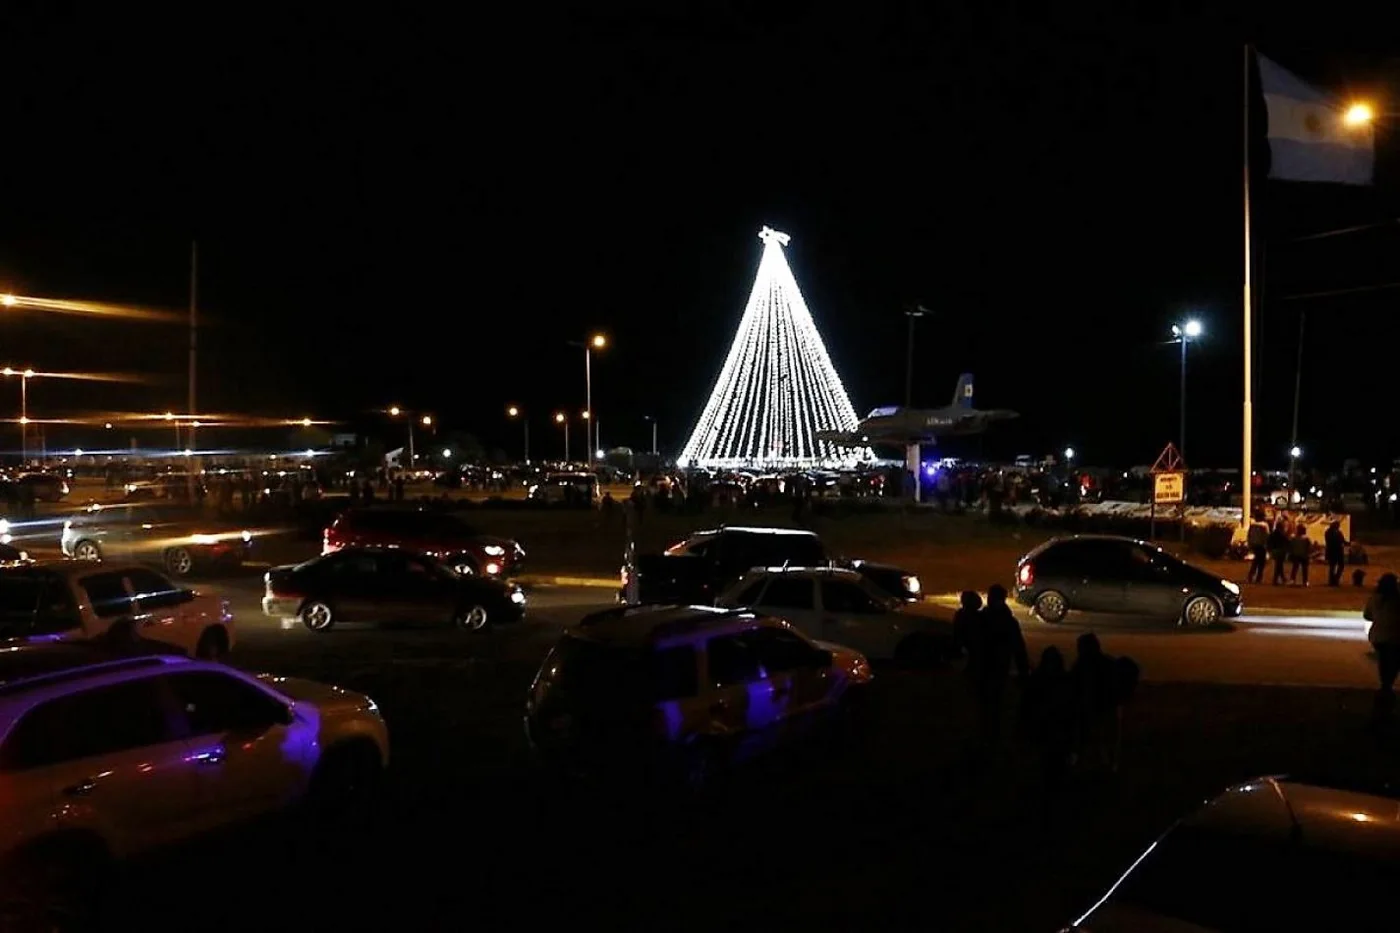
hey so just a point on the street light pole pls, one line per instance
(912, 458)
(1297, 399)
(1184, 334)
(526, 423)
(24, 419)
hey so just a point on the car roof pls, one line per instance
(1065, 539)
(1355, 818)
(71, 568)
(20, 695)
(757, 530)
(643, 626)
(838, 573)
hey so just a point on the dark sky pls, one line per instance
(397, 208)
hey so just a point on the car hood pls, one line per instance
(324, 697)
(926, 611)
(852, 662)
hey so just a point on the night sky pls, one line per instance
(397, 209)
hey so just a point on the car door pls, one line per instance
(850, 617)
(742, 706)
(799, 675)
(118, 526)
(114, 758)
(353, 587)
(1155, 586)
(252, 755)
(1094, 572)
(792, 597)
(427, 592)
(159, 609)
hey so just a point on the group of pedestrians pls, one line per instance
(1071, 712)
(1289, 549)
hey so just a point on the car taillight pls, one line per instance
(326, 541)
(1026, 574)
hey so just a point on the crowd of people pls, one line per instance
(1071, 712)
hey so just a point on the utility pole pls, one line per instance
(1297, 399)
(912, 456)
(191, 407)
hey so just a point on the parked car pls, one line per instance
(108, 760)
(45, 487)
(181, 540)
(435, 534)
(1104, 573)
(387, 585)
(578, 489)
(841, 606)
(704, 565)
(1270, 854)
(682, 692)
(117, 603)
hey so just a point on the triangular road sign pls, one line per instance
(1170, 461)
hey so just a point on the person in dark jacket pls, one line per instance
(965, 622)
(1048, 717)
(1257, 538)
(1096, 701)
(1334, 545)
(998, 645)
(1299, 554)
(1278, 550)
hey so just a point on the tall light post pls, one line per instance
(652, 419)
(1184, 334)
(394, 412)
(913, 455)
(515, 412)
(561, 418)
(24, 376)
(596, 342)
(1295, 453)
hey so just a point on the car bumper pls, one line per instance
(280, 607)
(1232, 607)
(1023, 596)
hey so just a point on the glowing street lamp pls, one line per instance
(561, 418)
(515, 412)
(447, 453)
(1184, 334)
(394, 412)
(596, 342)
(1069, 454)
(8, 301)
(1359, 114)
(427, 421)
(24, 376)
(1295, 452)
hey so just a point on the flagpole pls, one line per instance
(1247, 485)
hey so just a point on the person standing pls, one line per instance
(1299, 553)
(1383, 612)
(1258, 541)
(997, 646)
(1278, 550)
(1335, 550)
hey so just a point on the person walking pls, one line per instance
(1258, 541)
(1383, 612)
(1278, 550)
(1299, 553)
(1048, 718)
(1334, 546)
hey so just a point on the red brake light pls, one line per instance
(1026, 574)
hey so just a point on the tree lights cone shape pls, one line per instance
(778, 388)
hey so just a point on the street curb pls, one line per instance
(531, 579)
(950, 600)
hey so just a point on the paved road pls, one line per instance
(1313, 650)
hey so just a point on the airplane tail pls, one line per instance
(962, 395)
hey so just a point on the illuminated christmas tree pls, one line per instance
(777, 389)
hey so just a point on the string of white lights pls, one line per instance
(778, 387)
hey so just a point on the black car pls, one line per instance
(1102, 573)
(387, 585)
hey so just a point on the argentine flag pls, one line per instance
(1308, 138)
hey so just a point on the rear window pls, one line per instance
(774, 550)
(406, 523)
(587, 673)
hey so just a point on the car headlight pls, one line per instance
(204, 539)
(492, 569)
(247, 536)
(517, 597)
(4, 526)
(494, 550)
(67, 527)
(1232, 587)
(912, 584)
(372, 708)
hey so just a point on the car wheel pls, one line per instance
(1051, 606)
(212, 646)
(1201, 612)
(179, 561)
(87, 550)
(473, 618)
(317, 615)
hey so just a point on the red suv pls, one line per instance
(436, 534)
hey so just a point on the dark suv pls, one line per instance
(1101, 573)
(436, 534)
